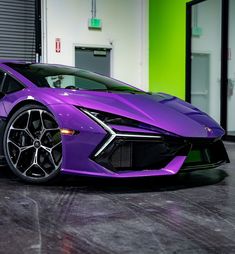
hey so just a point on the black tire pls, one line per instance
(32, 144)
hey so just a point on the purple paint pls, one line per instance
(162, 111)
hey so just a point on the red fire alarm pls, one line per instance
(57, 45)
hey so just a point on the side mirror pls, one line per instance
(2, 95)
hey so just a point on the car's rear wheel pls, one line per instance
(32, 144)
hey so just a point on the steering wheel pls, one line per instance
(70, 87)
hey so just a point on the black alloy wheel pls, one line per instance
(32, 144)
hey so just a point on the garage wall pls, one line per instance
(167, 38)
(125, 29)
(17, 30)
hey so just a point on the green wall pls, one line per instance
(167, 36)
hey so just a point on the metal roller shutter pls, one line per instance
(17, 29)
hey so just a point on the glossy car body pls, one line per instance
(164, 132)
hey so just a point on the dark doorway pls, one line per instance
(93, 59)
(210, 29)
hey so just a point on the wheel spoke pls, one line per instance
(24, 130)
(25, 172)
(49, 150)
(17, 129)
(22, 149)
(56, 145)
(43, 127)
(46, 174)
(52, 152)
(29, 133)
(17, 160)
(47, 130)
(35, 163)
(42, 133)
(46, 148)
(13, 143)
(35, 160)
(29, 114)
(53, 160)
(30, 165)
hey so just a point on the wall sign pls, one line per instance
(57, 45)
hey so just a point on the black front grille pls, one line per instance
(135, 154)
(126, 154)
(205, 155)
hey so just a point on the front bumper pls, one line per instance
(136, 155)
(129, 154)
(108, 152)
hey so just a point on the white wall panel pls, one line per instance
(125, 29)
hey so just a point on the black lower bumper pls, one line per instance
(135, 154)
(206, 155)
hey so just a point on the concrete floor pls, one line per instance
(188, 213)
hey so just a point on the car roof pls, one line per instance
(7, 61)
(2, 61)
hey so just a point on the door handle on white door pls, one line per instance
(200, 93)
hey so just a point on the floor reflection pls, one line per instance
(188, 213)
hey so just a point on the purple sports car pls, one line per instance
(58, 119)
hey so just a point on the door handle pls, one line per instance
(204, 93)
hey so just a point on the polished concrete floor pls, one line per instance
(188, 213)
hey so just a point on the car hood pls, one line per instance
(160, 110)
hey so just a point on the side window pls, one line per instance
(85, 83)
(11, 85)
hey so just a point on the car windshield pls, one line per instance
(45, 75)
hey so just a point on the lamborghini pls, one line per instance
(56, 120)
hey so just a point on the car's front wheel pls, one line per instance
(32, 144)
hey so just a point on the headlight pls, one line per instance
(108, 118)
(111, 119)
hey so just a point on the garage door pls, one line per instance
(17, 29)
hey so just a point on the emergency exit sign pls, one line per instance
(95, 23)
